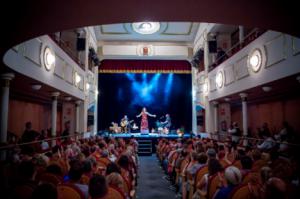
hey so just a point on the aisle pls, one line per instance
(151, 185)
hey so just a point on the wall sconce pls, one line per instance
(87, 86)
(255, 60)
(267, 88)
(219, 79)
(49, 59)
(36, 87)
(77, 78)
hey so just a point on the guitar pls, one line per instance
(124, 123)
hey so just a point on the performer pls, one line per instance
(144, 121)
(124, 124)
(167, 123)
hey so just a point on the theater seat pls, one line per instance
(69, 191)
(114, 193)
(50, 178)
(241, 192)
(212, 187)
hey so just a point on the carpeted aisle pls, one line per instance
(151, 184)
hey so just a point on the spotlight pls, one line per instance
(68, 98)
(227, 99)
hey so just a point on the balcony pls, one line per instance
(254, 34)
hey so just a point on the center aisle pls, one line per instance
(151, 184)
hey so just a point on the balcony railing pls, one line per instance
(65, 47)
(254, 34)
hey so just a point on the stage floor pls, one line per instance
(150, 135)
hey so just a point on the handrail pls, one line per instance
(239, 45)
(38, 141)
(255, 139)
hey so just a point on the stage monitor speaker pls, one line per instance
(80, 44)
(212, 46)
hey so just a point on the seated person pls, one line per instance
(233, 178)
(98, 188)
(75, 175)
(45, 191)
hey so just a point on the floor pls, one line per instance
(151, 184)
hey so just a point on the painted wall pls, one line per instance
(21, 112)
(272, 112)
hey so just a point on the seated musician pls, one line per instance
(167, 123)
(125, 124)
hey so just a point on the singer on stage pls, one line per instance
(144, 121)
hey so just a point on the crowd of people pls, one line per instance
(212, 169)
(92, 168)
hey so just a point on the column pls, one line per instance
(77, 106)
(216, 117)
(241, 34)
(208, 112)
(194, 99)
(4, 105)
(96, 101)
(244, 115)
(54, 96)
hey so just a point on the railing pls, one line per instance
(255, 33)
(65, 47)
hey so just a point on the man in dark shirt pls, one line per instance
(29, 135)
(221, 55)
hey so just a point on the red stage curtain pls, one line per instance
(144, 66)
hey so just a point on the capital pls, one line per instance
(243, 96)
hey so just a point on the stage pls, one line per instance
(147, 136)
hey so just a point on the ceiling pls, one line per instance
(168, 31)
(24, 20)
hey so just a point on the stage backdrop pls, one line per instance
(127, 93)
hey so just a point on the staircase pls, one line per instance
(145, 147)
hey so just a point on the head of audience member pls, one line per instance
(26, 171)
(214, 167)
(199, 147)
(75, 171)
(233, 175)
(275, 189)
(246, 162)
(115, 179)
(87, 166)
(112, 168)
(28, 126)
(123, 162)
(265, 174)
(45, 191)
(256, 155)
(211, 153)
(54, 169)
(201, 158)
(98, 187)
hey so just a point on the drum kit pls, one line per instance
(161, 129)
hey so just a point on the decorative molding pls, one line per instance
(212, 83)
(35, 60)
(238, 66)
(57, 65)
(164, 32)
(295, 46)
(229, 75)
(268, 46)
(115, 33)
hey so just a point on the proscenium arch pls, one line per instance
(24, 20)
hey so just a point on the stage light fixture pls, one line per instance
(49, 58)
(36, 86)
(68, 98)
(267, 88)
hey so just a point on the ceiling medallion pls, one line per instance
(146, 28)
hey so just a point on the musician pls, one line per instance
(144, 121)
(167, 123)
(125, 124)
